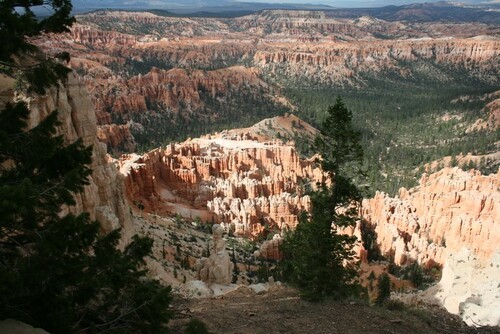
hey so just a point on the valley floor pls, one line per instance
(282, 311)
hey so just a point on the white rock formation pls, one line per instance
(218, 268)
(469, 288)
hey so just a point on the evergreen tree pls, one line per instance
(57, 271)
(318, 259)
(384, 288)
(18, 56)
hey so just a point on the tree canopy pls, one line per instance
(19, 22)
(318, 258)
(19, 57)
(57, 271)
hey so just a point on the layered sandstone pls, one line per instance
(244, 184)
(450, 209)
(104, 197)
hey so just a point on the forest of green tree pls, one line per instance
(403, 125)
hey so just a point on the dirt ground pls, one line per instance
(283, 311)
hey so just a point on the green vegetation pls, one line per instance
(196, 326)
(369, 240)
(384, 289)
(238, 109)
(16, 26)
(421, 277)
(58, 271)
(403, 124)
(318, 259)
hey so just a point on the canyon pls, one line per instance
(143, 83)
(254, 187)
(144, 69)
(250, 182)
(151, 79)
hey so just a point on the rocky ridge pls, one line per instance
(249, 186)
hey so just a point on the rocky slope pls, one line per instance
(450, 209)
(283, 311)
(348, 63)
(173, 90)
(251, 187)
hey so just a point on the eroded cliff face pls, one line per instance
(253, 187)
(347, 63)
(450, 209)
(104, 198)
(328, 26)
(117, 136)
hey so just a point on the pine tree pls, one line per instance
(318, 259)
(18, 56)
(57, 271)
(384, 289)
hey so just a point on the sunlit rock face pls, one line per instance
(450, 209)
(246, 185)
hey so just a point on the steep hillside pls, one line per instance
(104, 197)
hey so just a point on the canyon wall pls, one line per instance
(250, 186)
(347, 63)
(450, 209)
(104, 198)
(117, 136)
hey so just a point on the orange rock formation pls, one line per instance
(450, 209)
(116, 136)
(248, 185)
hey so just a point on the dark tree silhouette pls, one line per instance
(318, 259)
(57, 272)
